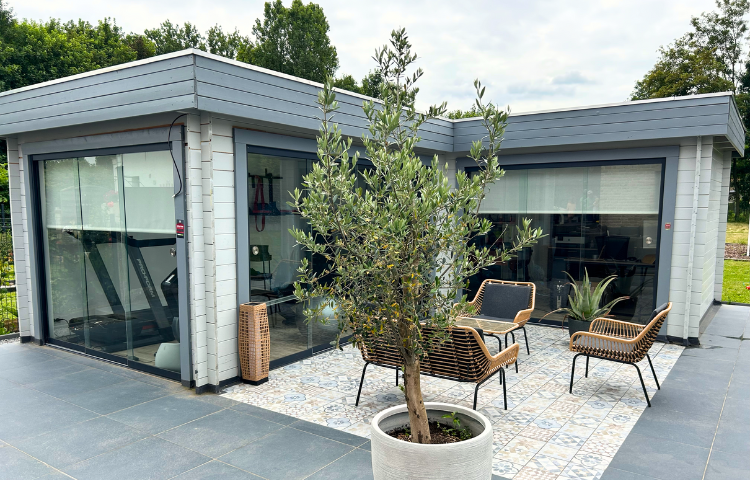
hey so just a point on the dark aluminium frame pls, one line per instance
(130, 142)
(667, 157)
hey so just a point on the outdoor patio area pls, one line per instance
(546, 433)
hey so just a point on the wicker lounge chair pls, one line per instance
(464, 358)
(621, 342)
(502, 308)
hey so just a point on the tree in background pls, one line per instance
(470, 113)
(227, 45)
(169, 37)
(294, 41)
(370, 85)
(709, 59)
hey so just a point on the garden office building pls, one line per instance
(149, 200)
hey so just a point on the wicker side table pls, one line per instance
(254, 342)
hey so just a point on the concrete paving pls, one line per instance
(699, 425)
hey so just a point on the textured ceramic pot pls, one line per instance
(395, 459)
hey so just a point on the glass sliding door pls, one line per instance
(110, 258)
(275, 256)
(600, 219)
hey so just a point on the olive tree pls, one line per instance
(397, 234)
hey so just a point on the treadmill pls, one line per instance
(156, 324)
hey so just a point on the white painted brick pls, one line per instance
(223, 194)
(226, 257)
(222, 144)
(223, 178)
(223, 161)
(224, 241)
(226, 272)
(225, 226)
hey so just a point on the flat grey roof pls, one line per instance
(196, 80)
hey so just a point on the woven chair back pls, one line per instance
(482, 289)
(461, 358)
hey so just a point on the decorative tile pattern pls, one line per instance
(546, 433)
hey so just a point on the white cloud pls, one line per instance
(531, 55)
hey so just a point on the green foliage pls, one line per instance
(370, 84)
(736, 278)
(462, 433)
(470, 113)
(169, 37)
(705, 60)
(294, 41)
(226, 44)
(141, 45)
(585, 301)
(4, 188)
(398, 249)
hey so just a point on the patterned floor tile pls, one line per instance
(546, 432)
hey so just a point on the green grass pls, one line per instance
(736, 278)
(737, 232)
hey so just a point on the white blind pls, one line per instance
(149, 186)
(616, 189)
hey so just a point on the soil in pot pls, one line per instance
(438, 432)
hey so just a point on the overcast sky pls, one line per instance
(531, 55)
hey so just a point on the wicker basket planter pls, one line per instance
(254, 342)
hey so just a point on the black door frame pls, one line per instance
(35, 224)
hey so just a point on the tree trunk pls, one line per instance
(420, 428)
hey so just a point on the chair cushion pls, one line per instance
(504, 301)
(656, 312)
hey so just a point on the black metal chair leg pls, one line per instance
(516, 362)
(642, 384)
(505, 396)
(587, 366)
(499, 341)
(397, 377)
(654, 372)
(361, 381)
(573, 371)
(476, 392)
(513, 336)
(526, 339)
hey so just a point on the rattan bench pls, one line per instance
(502, 307)
(464, 358)
(617, 341)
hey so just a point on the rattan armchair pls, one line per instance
(464, 358)
(504, 321)
(617, 341)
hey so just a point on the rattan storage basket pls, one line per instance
(254, 342)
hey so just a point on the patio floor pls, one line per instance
(546, 433)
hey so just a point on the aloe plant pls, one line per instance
(584, 303)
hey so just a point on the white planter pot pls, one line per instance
(396, 459)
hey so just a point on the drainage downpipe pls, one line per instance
(691, 248)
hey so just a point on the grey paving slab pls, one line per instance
(616, 474)
(355, 465)
(723, 341)
(41, 371)
(220, 433)
(717, 368)
(330, 433)
(661, 423)
(40, 416)
(163, 413)
(688, 401)
(119, 396)
(662, 459)
(216, 471)
(74, 443)
(287, 454)
(689, 378)
(17, 465)
(365, 446)
(733, 434)
(728, 466)
(264, 414)
(23, 358)
(148, 459)
(73, 384)
(709, 353)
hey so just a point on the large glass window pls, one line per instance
(600, 219)
(110, 258)
(275, 256)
